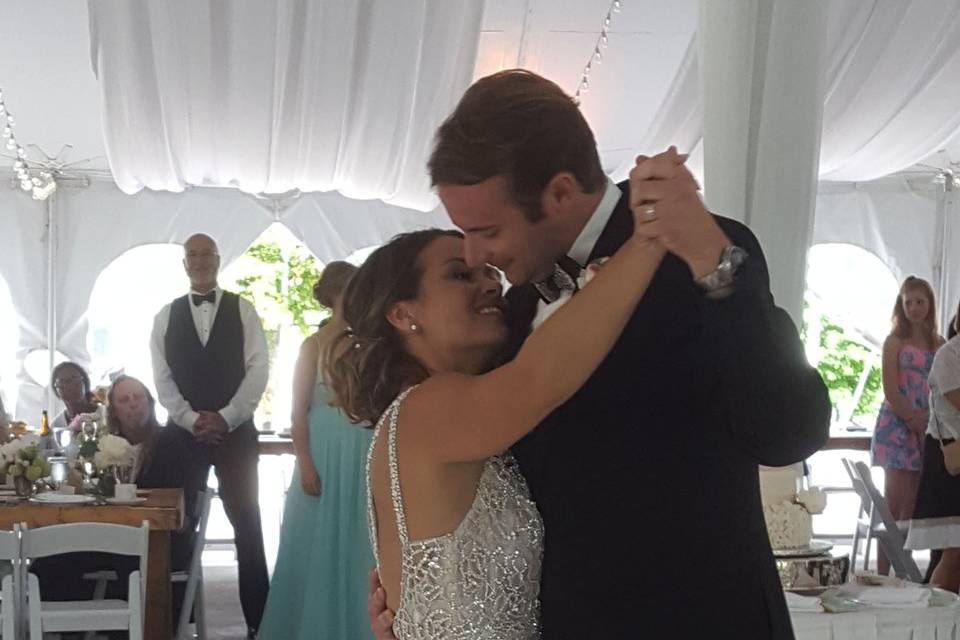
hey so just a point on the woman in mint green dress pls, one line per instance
(319, 585)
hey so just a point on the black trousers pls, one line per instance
(235, 462)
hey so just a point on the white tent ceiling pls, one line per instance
(890, 72)
(47, 76)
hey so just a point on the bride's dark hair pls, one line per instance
(367, 366)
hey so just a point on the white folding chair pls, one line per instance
(193, 576)
(87, 615)
(875, 521)
(9, 593)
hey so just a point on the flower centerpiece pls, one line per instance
(24, 463)
(113, 460)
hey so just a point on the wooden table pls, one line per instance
(271, 445)
(163, 510)
(855, 440)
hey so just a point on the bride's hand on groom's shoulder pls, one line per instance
(667, 207)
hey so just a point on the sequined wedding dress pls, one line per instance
(479, 582)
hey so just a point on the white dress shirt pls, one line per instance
(244, 402)
(583, 245)
(944, 421)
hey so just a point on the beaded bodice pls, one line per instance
(480, 581)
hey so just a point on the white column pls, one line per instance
(49, 401)
(761, 71)
(946, 280)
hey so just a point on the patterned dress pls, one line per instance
(894, 445)
(480, 581)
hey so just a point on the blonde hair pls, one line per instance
(333, 281)
(901, 324)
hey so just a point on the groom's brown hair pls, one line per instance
(521, 126)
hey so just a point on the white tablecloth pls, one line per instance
(934, 623)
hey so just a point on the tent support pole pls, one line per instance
(51, 294)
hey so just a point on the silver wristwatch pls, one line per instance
(719, 282)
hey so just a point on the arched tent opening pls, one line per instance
(126, 296)
(848, 301)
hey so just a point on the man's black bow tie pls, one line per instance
(198, 299)
(564, 278)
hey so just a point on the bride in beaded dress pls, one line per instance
(457, 539)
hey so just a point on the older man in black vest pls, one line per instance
(210, 368)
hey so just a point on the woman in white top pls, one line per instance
(936, 518)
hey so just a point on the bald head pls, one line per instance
(201, 261)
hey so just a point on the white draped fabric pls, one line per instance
(890, 68)
(340, 100)
(893, 91)
(762, 94)
(274, 96)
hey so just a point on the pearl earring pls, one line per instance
(414, 327)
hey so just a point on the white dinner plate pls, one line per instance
(61, 498)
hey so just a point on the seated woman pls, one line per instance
(71, 384)
(162, 461)
(162, 455)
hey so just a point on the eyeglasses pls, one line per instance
(60, 383)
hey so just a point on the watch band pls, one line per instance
(719, 282)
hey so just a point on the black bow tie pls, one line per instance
(198, 299)
(564, 279)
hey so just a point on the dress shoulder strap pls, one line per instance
(390, 418)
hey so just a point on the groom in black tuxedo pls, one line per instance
(647, 477)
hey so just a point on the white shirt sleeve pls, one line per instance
(256, 364)
(946, 369)
(168, 393)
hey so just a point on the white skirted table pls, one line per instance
(932, 623)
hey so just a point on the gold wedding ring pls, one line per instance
(649, 211)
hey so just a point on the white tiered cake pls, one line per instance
(787, 508)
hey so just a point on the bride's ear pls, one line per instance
(400, 316)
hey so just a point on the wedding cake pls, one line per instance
(787, 509)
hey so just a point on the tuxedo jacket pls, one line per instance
(647, 477)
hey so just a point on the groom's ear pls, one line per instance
(560, 194)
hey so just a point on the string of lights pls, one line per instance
(596, 57)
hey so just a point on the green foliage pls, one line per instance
(280, 289)
(842, 360)
(276, 274)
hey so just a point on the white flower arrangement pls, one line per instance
(114, 451)
(21, 457)
(10, 450)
